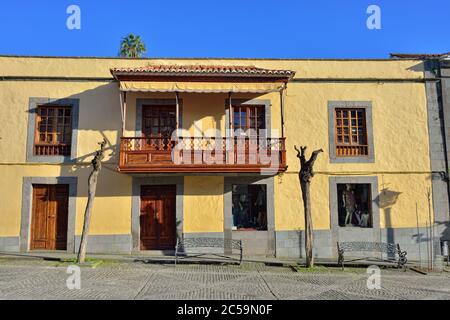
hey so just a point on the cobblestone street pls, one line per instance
(31, 279)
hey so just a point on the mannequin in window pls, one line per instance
(236, 212)
(362, 216)
(349, 199)
(261, 221)
(243, 210)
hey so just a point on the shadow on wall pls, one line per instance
(99, 118)
(386, 201)
(420, 67)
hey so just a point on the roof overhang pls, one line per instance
(420, 56)
(200, 87)
(201, 79)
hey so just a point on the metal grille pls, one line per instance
(209, 242)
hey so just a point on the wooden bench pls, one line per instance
(394, 254)
(183, 245)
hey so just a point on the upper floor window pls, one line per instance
(53, 133)
(351, 132)
(247, 117)
(158, 121)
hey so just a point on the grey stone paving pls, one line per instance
(35, 279)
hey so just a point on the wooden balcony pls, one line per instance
(213, 155)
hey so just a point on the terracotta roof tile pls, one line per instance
(203, 70)
(419, 55)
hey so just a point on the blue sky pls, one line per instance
(231, 28)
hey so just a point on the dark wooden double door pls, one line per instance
(49, 217)
(158, 217)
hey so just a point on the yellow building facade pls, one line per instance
(373, 181)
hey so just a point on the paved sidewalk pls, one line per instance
(37, 279)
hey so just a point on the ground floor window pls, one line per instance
(249, 207)
(354, 205)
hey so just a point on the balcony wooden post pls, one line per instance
(282, 109)
(230, 145)
(230, 113)
(177, 111)
(123, 107)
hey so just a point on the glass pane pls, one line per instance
(261, 123)
(354, 205)
(249, 207)
(237, 118)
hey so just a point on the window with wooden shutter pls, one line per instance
(53, 133)
(351, 132)
(249, 117)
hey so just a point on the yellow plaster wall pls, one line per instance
(112, 206)
(402, 161)
(203, 204)
(305, 68)
(99, 117)
(399, 125)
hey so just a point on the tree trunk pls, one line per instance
(305, 175)
(309, 240)
(92, 188)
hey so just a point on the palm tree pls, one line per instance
(132, 47)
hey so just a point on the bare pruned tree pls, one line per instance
(92, 187)
(305, 175)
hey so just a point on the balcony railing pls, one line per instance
(352, 150)
(46, 149)
(238, 154)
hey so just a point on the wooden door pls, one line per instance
(157, 220)
(49, 217)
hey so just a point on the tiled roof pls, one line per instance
(204, 70)
(419, 55)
